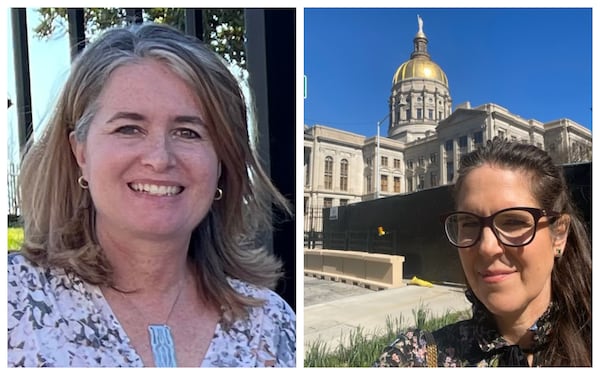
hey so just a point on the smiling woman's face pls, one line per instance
(150, 163)
(509, 281)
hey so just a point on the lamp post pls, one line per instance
(377, 158)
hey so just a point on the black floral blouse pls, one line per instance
(475, 342)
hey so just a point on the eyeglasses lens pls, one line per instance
(515, 227)
(512, 227)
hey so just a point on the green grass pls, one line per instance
(15, 238)
(363, 349)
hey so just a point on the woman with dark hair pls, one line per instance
(142, 202)
(526, 256)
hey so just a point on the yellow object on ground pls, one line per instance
(416, 281)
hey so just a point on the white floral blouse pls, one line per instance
(55, 319)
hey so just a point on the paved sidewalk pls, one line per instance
(333, 309)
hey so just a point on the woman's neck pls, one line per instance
(143, 265)
(516, 328)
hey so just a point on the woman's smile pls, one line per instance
(156, 189)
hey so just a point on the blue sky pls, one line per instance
(537, 63)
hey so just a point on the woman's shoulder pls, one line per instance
(270, 328)
(16, 259)
(409, 349)
(29, 281)
(271, 299)
(422, 348)
(22, 271)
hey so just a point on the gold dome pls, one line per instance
(420, 68)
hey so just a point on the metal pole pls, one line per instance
(194, 22)
(377, 151)
(377, 163)
(76, 19)
(22, 75)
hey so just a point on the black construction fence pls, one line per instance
(409, 225)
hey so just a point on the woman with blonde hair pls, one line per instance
(140, 204)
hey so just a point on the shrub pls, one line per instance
(15, 238)
(363, 349)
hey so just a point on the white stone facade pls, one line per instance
(424, 143)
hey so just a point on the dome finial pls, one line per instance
(420, 22)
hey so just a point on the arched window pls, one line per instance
(344, 175)
(328, 172)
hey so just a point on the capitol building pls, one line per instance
(425, 140)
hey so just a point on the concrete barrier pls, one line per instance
(373, 271)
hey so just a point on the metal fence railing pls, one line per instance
(14, 204)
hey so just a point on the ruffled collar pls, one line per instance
(489, 339)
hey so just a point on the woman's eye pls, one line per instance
(128, 130)
(469, 224)
(515, 223)
(187, 133)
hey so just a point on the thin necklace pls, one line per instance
(161, 339)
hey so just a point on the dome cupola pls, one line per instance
(420, 64)
(420, 96)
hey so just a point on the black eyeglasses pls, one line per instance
(513, 227)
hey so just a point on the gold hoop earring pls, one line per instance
(219, 194)
(83, 183)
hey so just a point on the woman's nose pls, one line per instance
(158, 153)
(489, 244)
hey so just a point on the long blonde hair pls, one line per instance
(59, 216)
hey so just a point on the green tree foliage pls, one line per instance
(223, 28)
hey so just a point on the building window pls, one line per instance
(409, 164)
(384, 161)
(408, 114)
(421, 182)
(327, 202)
(396, 163)
(369, 162)
(344, 175)
(421, 161)
(328, 172)
(384, 183)
(478, 138)
(343, 202)
(449, 145)
(462, 143)
(433, 158)
(439, 115)
(396, 184)
(307, 166)
(409, 185)
(419, 113)
(434, 179)
(430, 114)
(450, 171)
(369, 184)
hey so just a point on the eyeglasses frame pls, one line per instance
(488, 221)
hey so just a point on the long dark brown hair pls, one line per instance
(571, 281)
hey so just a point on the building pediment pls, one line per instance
(461, 115)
